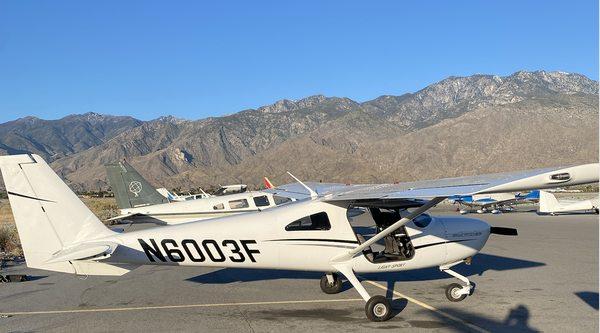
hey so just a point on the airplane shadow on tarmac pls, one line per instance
(481, 263)
(517, 320)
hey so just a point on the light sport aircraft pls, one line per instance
(493, 202)
(550, 205)
(139, 202)
(59, 233)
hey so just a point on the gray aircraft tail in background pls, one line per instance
(130, 188)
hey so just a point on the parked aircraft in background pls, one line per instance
(139, 202)
(231, 189)
(550, 205)
(59, 233)
(493, 202)
(563, 190)
(267, 182)
(176, 197)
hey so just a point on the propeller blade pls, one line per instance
(503, 231)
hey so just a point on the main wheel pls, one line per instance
(378, 308)
(452, 293)
(331, 288)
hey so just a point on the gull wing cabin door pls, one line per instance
(397, 246)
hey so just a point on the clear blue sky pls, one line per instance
(194, 59)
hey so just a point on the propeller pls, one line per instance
(503, 231)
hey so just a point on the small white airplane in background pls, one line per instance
(550, 205)
(59, 233)
(495, 203)
(139, 202)
(231, 189)
(178, 198)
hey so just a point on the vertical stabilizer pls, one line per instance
(267, 183)
(548, 202)
(48, 215)
(130, 188)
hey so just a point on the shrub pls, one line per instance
(9, 240)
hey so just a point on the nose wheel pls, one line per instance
(456, 292)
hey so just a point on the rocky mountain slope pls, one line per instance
(54, 139)
(458, 126)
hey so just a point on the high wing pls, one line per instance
(471, 185)
(437, 191)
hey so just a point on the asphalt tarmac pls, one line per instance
(546, 279)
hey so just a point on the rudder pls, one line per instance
(548, 202)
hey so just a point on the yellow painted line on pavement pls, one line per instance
(184, 306)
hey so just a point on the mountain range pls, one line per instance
(458, 126)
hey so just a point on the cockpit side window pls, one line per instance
(261, 201)
(319, 221)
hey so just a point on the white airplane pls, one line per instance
(231, 189)
(59, 233)
(550, 205)
(139, 202)
(173, 197)
(495, 203)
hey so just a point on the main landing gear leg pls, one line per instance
(456, 292)
(378, 308)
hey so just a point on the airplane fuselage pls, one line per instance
(260, 240)
(206, 208)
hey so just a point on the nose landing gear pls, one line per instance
(456, 292)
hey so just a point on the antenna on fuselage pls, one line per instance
(312, 193)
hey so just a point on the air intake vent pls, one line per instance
(562, 177)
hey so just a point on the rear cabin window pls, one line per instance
(281, 200)
(219, 206)
(238, 204)
(318, 221)
(261, 201)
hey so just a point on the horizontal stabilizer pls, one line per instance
(84, 251)
(100, 268)
(120, 217)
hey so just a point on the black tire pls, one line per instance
(451, 293)
(378, 308)
(331, 288)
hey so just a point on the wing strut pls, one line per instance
(312, 193)
(389, 230)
